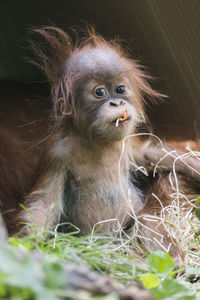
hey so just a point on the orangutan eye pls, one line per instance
(100, 92)
(120, 89)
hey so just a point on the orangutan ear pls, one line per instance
(62, 98)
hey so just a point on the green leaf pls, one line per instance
(21, 270)
(54, 275)
(197, 212)
(19, 244)
(150, 280)
(160, 262)
(198, 200)
(170, 289)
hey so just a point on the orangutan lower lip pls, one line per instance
(119, 116)
(120, 121)
(122, 117)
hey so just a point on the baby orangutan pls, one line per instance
(98, 100)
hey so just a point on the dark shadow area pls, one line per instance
(163, 35)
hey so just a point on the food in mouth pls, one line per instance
(125, 117)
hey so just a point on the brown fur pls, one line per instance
(78, 177)
(23, 127)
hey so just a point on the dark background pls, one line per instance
(163, 34)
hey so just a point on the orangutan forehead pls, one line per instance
(96, 61)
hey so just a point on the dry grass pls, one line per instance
(178, 218)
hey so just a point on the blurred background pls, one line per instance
(163, 35)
